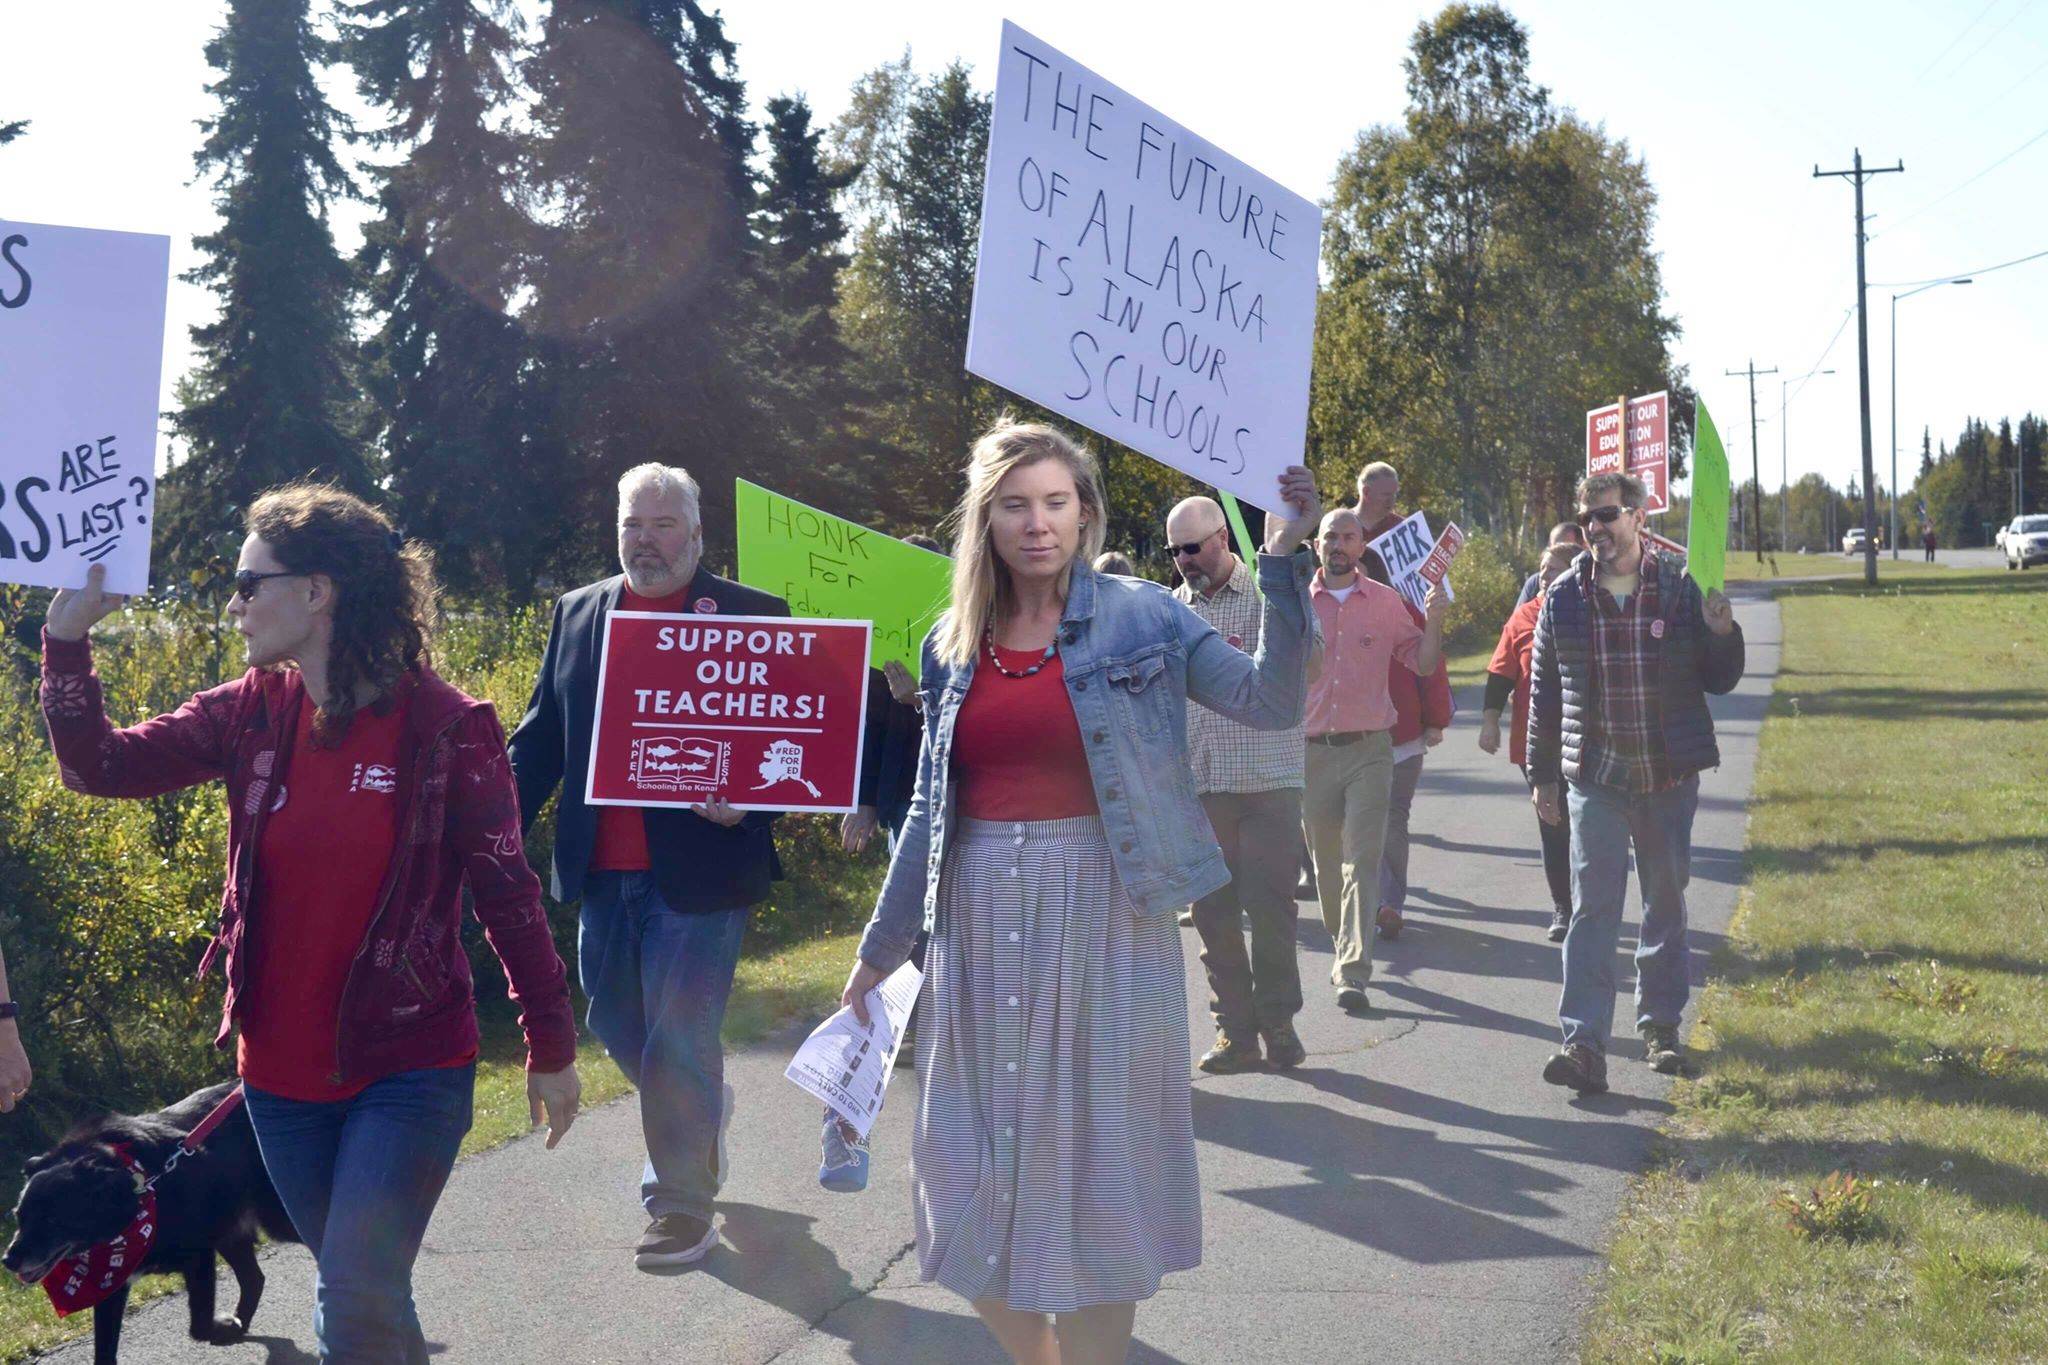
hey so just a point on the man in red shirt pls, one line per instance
(1349, 768)
(665, 891)
(1379, 489)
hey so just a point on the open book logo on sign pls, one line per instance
(679, 763)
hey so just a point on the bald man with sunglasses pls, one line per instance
(1627, 649)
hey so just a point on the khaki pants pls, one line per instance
(1344, 808)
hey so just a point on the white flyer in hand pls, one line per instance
(846, 1064)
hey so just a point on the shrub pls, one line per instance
(1487, 583)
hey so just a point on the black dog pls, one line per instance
(80, 1194)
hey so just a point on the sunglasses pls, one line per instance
(1604, 515)
(1193, 547)
(248, 580)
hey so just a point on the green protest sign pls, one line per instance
(830, 568)
(1706, 536)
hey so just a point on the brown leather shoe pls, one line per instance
(1283, 1047)
(1231, 1055)
(1390, 922)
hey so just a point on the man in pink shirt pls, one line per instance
(1350, 761)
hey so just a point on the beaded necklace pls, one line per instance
(988, 636)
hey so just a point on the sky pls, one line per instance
(1731, 106)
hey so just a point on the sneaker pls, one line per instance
(1390, 922)
(675, 1239)
(1352, 998)
(1283, 1047)
(1560, 923)
(1186, 918)
(1579, 1067)
(1231, 1055)
(844, 1169)
(724, 1126)
(1661, 1050)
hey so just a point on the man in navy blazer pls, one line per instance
(665, 891)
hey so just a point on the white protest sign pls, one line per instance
(1405, 550)
(81, 353)
(1139, 280)
(846, 1064)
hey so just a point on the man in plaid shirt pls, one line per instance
(1250, 784)
(1626, 650)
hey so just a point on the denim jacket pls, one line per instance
(1133, 656)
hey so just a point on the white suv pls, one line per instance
(1854, 540)
(2026, 541)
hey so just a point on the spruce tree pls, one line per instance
(441, 267)
(645, 305)
(271, 397)
(800, 232)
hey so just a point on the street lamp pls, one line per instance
(1895, 396)
(1784, 466)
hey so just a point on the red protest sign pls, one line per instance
(1639, 444)
(1649, 448)
(1442, 553)
(1669, 547)
(763, 711)
(1603, 440)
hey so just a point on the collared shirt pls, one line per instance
(1362, 635)
(1227, 756)
(1625, 737)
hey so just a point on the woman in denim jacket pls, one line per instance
(1054, 831)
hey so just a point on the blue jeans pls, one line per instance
(658, 980)
(1605, 821)
(360, 1178)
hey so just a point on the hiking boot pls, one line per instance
(1560, 923)
(1283, 1047)
(1579, 1067)
(1351, 998)
(674, 1239)
(844, 1169)
(1390, 923)
(1231, 1055)
(1661, 1051)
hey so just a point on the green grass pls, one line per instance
(1743, 568)
(1877, 1011)
(786, 989)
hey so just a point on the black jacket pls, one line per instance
(697, 864)
(1691, 662)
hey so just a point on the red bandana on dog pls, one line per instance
(79, 1282)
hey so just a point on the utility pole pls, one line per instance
(1756, 479)
(1858, 175)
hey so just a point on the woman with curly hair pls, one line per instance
(363, 793)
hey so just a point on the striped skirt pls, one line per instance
(1054, 1156)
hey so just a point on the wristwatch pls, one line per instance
(9, 1010)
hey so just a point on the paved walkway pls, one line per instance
(1414, 1193)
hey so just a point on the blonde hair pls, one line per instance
(981, 582)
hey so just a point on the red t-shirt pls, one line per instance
(320, 871)
(1511, 660)
(622, 830)
(1017, 746)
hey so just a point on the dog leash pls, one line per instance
(204, 1129)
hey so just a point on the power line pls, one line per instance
(1814, 369)
(1957, 274)
(1958, 38)
(2000, 96)
(1988, 38)
(1965, 185)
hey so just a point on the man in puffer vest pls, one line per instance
(1626, 650)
